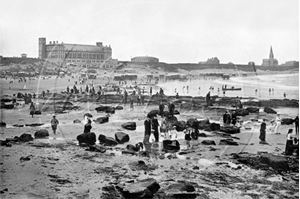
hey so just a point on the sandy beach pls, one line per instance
(59, 168)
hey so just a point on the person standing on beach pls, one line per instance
(255, 91)
(161, 108)
(284, 95)
(147, 125)
(289, 147)
(269, 91)
(199, 90)
(262, 135)
(277, 123)
(208, 103)
(155, 125)
(32, 109)
(151, 91)
(54, 123)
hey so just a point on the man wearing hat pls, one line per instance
(54, 123)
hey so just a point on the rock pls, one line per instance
(6, 106)
(87, 138)
(110, 110)
(230, 129)
(121, 137)
(37, 112)
(178, 190)
(77, 121)
(42, 133)
(241, 112)
(130, 152)
(108, 141)
(171, 145)
(208, 142)
(210, 127)
(145, 188)
(129, 125)
(15, 139)
(228, 142)
(101, 120)
(252, 109)
(247, 127)
(172, 120)
(287, 121)
(202, 135)
(2, 124)
(110, 192)
(106, 109)
(278, 163)
(25, 137)
(18, 125)
(96, 148)
(269, 110)
(34, 124)
(191, 122)
(119, 107)
(136, 147)
(180, 126)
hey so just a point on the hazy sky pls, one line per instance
(187, 31)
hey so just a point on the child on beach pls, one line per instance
(262, 135)
(277, 123)
(187, 137)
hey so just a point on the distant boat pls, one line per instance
(231, 89)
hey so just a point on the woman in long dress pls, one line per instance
(262, 135)
(277, 123)
(289, 147)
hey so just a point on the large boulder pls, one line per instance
(121, 137)
(42, 133)
(110, 110)
(181, 189)
(172, 120)
(269, 110)
(252, 109)
(87, 138)
(208, 142)
(6, 106)
(210, 127)
(129, 125)
(191, 122)
(106, 109)
(145, 188)
(287, 121)
(101, 120)
(108, 141)
(2, 124)
(278, 163)
(171, 145)
(230, 129)
(119, 107)
(180, 126)
(25, 137)
(228, 142)
(241, 112)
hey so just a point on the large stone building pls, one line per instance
(145, 59)
(76, 54)
(271, 61)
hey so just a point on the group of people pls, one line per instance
(292, 142)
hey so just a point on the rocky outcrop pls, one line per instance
(252, 109)
(25, 137)
(121, 137)
(180, 126)
(119, 107)
(269, 110)
(208, 142)
(273, 103)
(241, 112)
(2, 124)
(76, 121)
(87, 138)
(287, 121)
(107, 141)
(230, 129)
(278, 163)
(106, 109)
(34, 124)
(180, 189)
(228, 142)
(42, 133)
(101, 120)
(145, 188)
(129, 125)
(6, 106)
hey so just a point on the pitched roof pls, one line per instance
(81, 47)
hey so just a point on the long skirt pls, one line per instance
(289, 147)
(262, 135)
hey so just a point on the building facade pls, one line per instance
(271, 61)
(76, 54)
(145, 59)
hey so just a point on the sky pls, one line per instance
(175, 31)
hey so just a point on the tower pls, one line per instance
(271, 56)
(42, 48)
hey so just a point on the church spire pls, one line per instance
(271, 56)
